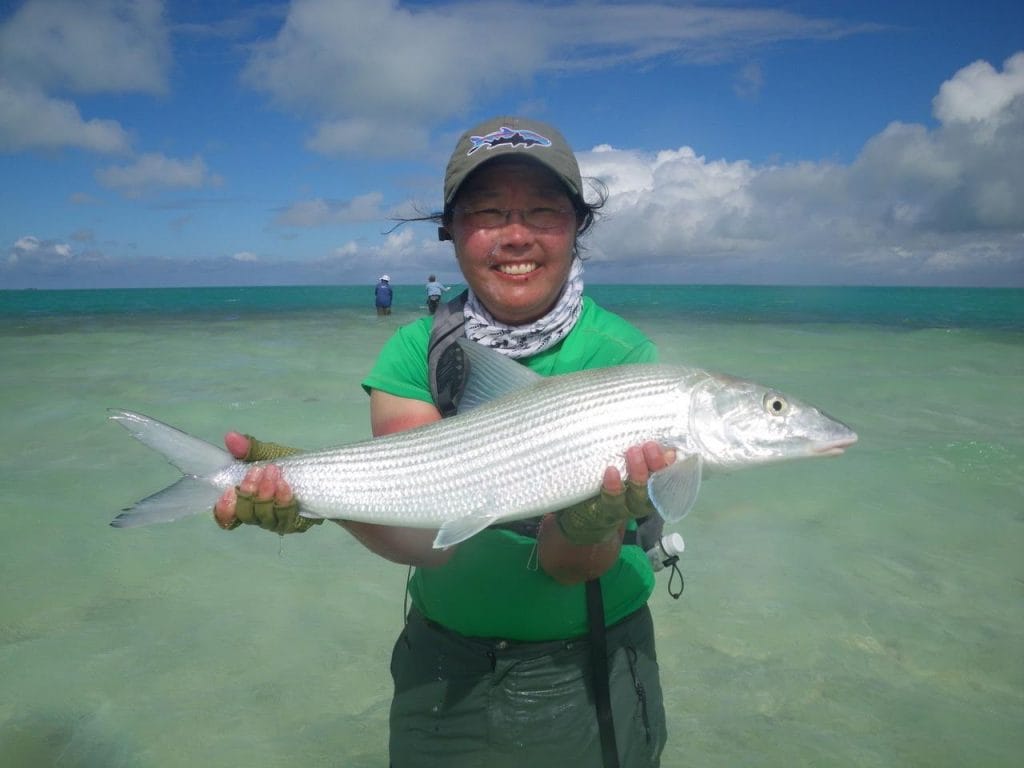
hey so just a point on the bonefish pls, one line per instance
(522, 445)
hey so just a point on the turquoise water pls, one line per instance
(897, 307)
(866, 610)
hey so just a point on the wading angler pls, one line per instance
(527, 449)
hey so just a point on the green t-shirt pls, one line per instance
(492, 586)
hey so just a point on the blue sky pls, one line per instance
(154, 143)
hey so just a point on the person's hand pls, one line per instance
(599, 520)
(263, 497)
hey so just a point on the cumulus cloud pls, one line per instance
(396, 248)
(33, 255)
(378, 77)
(404, 254)
(29, 119)
(392, 69)
(319, 212)
(367, 136)
(65, 46)
(155, 170)
(26, 245)
(99, 46)
(925, 202)
(979, 92)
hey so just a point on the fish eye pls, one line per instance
(775, 404)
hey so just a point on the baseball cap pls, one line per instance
(504, 136)
(385, 278)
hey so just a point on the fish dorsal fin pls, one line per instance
(454, 531)
(491, 375)
(674, 489)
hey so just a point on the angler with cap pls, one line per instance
(529, 643)
(382, 295)
(434, 290)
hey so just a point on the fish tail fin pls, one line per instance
(188, 496)
(195, 459)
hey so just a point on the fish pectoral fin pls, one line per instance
(454, 531)
(674, 489)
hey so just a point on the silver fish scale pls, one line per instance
(528, 453)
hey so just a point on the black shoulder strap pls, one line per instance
(446, 366)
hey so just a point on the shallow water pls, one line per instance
(863, 611)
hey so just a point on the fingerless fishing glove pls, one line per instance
(261, 451)
(597, 520)
(271, 516)
(267, 513)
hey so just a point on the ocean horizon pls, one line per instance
(898, 306)
(862, 610)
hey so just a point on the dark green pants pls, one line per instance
(465, 702)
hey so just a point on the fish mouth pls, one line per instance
(835, 447)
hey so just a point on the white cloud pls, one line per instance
(30, 254)
(377, 137)
(154, 170)
(29, 119)
(669, 200)
(979, 92)
(916, 203)
(398, 243)
(399, 68)
(582, 36)
(26, 244)
(319, 212)
(67, 46)
(96, 46)
(380, 60)
(404, 254)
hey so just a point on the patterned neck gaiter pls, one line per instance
(517, 341)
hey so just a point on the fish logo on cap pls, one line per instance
(513, 137)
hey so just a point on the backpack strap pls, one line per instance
(446, 365)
